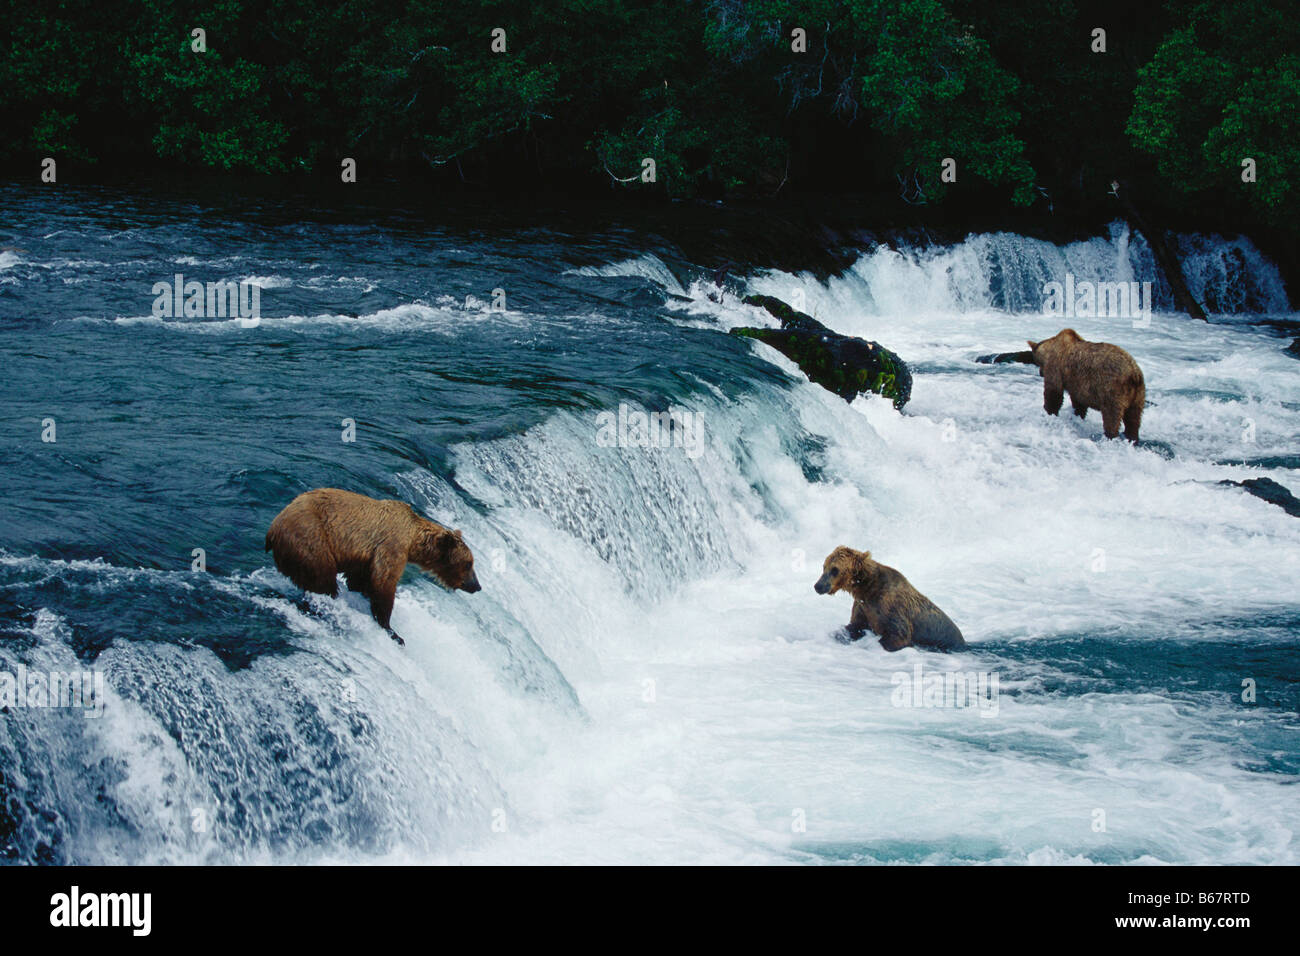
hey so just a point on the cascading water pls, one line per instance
(647, 674)
(1006, 272)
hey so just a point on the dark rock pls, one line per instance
(843, 364)
(1026, 357)
(1270, 491)
(1294, 348)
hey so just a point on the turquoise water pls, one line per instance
(647, 674)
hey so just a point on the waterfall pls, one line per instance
(647, 674)
(1006, 272)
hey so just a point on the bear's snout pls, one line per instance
(471, 584)
(823, 584)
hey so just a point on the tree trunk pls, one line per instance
(1165, 259)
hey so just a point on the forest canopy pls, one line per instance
(1018, 102)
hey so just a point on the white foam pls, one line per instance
(267, 282)
(648, 676)
(1006, 272)
(647, 266)
(724, 719)
(446, 316)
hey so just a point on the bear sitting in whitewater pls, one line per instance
(885, 602)
(1097, 375)
(327, 531)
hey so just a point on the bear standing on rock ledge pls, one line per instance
(326, 531)
(1097, 375)
(886, 602)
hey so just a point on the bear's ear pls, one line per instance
(440, 541)
(457, 534)
(1033, 346)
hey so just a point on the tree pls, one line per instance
(929, 87)
(1224, 86)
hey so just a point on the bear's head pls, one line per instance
(445, 555)
(1051, 350)
(840, 569)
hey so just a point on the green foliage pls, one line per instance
(1223, 86)
(929, 87)
(210, 108)
(933, 88)
(49, 66)
(710, 89)
(687, 150)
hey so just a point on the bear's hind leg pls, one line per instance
(300, 556)
(1080, 408)
(315, 575)
(358, 580)
(1110, 421)
(897, 634)
(1133, 421)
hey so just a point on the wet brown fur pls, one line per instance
(1097, 375)
(325, 532)
(886, 603)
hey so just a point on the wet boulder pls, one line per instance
(1270, 491)
(843, 364)
(1001, 358)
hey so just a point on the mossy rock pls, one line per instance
(845, 365)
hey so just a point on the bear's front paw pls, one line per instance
(394, 635)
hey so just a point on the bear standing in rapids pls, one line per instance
(885, 602)
(1097, 375)
(326, 531)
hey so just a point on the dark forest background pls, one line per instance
(710, 89)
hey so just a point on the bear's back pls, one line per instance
(1092, 370)
(348, 524)
(936, 629)
(931, 627)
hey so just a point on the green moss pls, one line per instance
(822, 362)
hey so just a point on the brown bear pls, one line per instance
(885, 602)
(1097, 375)
(326, 531)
